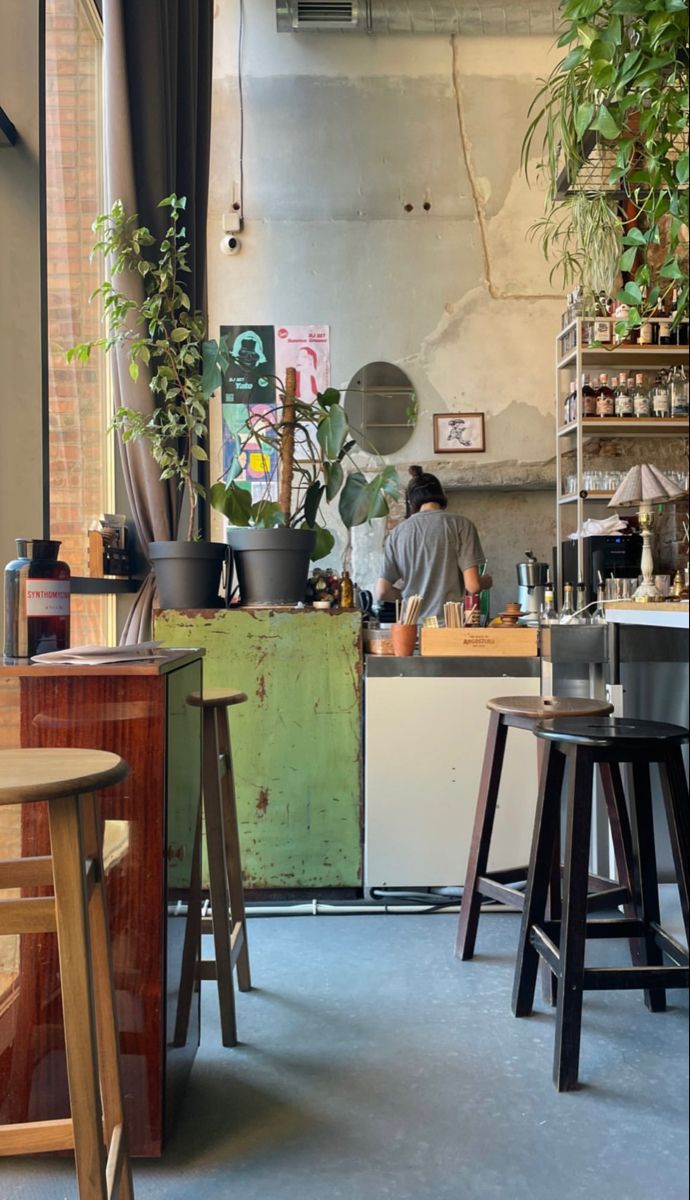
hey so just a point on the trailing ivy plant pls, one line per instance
(162, 332)
(311, 447)
(622, 85)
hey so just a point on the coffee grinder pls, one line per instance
(532, 577)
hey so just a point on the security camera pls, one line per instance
(230, 244)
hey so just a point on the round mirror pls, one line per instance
(381, 407)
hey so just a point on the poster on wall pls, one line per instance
(262, 353)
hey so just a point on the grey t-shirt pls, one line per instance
(428, 552)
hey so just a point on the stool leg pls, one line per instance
(675, 788)
(191, 950)
(574, 923)
(645, 876)
(621, 836)
(540, 870)
(77, 995)
(218, 879)
(106, 1014)
(233, 856)
(481, 836)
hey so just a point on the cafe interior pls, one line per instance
(344, 691)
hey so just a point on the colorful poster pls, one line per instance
(307, 349)
(250, 378)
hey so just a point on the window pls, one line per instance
(80, 450)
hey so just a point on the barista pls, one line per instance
(433, 553)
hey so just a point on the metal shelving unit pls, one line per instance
(576, 361)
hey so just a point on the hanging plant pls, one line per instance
(618, 97)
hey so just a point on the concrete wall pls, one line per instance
(341, 135)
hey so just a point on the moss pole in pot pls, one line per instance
(274, 540)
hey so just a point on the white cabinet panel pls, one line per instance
(424, 752)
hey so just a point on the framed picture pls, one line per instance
(459, 433)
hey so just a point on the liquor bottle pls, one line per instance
(589, 398)
(661, 397)
(679, 393)
(548, 614)
(346, 592)
(680, 333)
(599, 614)
(570, 404)
(604, 397)
(621, 312)
(622, 399)
(567, 611)
(603, 325)
(647, 327)
(582, 609)
(664, 336)
(37, 600)
(641, 401)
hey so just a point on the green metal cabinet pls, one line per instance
(296, 743)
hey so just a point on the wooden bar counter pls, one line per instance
(139, 711)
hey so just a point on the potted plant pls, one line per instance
(610, 127)
(274, 540)
(163, 333)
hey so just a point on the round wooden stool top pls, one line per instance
(618, 731)
(48, 774)
(216, 698)
(546, 708)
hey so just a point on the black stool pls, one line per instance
(526, 712)
(561, 944)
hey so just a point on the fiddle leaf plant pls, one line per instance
(317, 475)
(619, 96)
(163, 333)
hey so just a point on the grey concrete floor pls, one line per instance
(374, 1065)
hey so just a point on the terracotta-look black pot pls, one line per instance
(188, 573)
(272, 564)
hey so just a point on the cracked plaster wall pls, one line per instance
(342, 133)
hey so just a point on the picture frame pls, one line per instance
(459, 433)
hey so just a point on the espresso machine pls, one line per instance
(532, 577)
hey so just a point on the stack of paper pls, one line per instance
(99, 656)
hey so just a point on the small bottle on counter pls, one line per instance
(622, 399)
(599, 614)
(346, 592)
(661, 399)
(582, 617)
(568, 610)
(548, 614)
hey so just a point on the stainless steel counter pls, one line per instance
(382, 666)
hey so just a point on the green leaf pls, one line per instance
(312, 501)
(579, 10)
(683, 168)
(606, 125)
(199, 453)
(635, 237)
(234, 502)
(266, 514)
(211, 375)
(573, 59)
(179, 334)
(672, 270)
(134, 370)
(628, 259)
(324, 543)
(334, 476)
(329, 397)
(583, 119)
(355, 500)
(235, 416)
(630, 294)
(332, 431)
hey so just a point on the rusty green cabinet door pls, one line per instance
(296, 743)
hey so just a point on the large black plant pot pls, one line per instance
(272, 564)
(188, 573)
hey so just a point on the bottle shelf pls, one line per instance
(590, 498)
(628, 427)
(626, 356)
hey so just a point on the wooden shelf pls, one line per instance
(85, 585)
(590, 498)
(629, 427)
(627, 356)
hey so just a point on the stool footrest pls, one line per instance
(115, 1162)
(36, 1137)
(26, 872)
(545, 940)
(206, 968)
(502, 892)
(31, 914)
(604, 979)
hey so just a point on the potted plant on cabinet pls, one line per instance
(162, 332)
(273, 540)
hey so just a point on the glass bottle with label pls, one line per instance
(548, 614)
(568, 610)
(589, 398)
(661, 398)
(622, 399)
(679, 393)
(582, 605)
(599, 614)
(646, 337)
(680, 333)
(570, 404)
(37, 600)
(605, 406)
(641, 401)
(664, 336)
(621, 312)
(603, 324)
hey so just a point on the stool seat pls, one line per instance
(216, 698)
(615, 731)
(50, 774)
(543, 708)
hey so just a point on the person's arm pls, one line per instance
(470, 555)
(386, 590)
(472, 580)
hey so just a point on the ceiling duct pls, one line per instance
(445, 17)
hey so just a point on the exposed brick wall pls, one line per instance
(78, 444)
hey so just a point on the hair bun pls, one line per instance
(416, 472)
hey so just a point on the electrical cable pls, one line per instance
(240, 88)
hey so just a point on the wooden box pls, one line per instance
(520, 642)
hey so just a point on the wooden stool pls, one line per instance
(228, 922)
(581, 745)
(525, 712)
(67, 780)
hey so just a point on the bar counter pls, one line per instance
(138, 711)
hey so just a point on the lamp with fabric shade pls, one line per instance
(642, 487)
